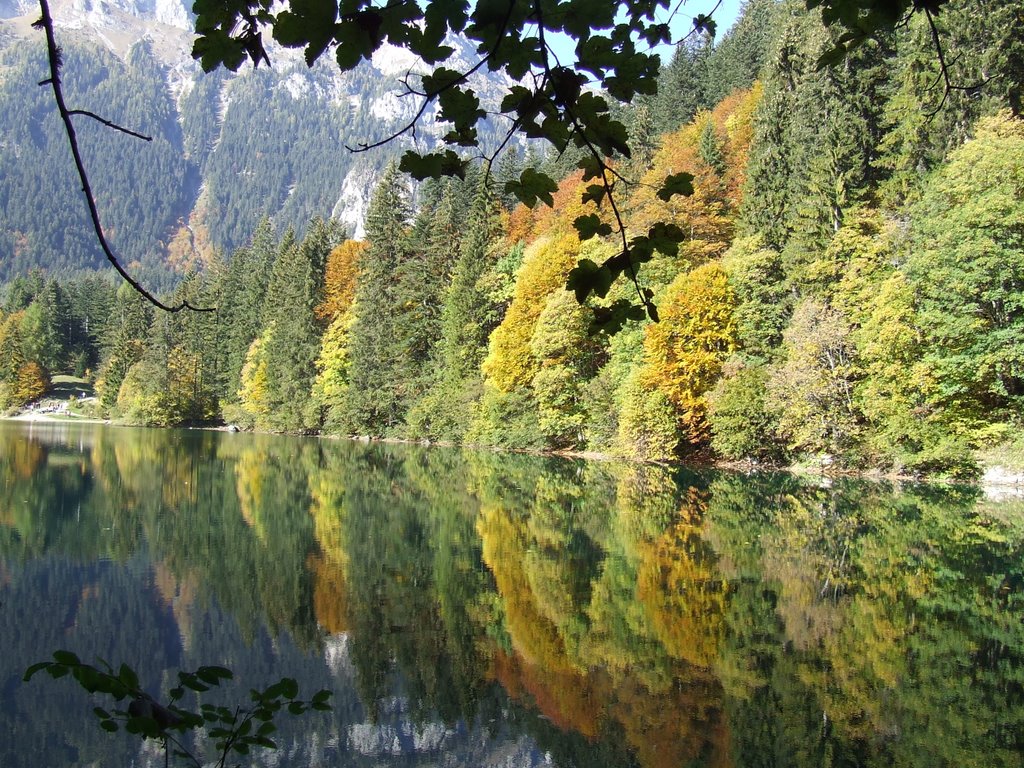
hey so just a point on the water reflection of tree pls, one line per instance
(412, 594)
(622, 615)
(590, 657)
(859, 616)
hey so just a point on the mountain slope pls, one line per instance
(228, 148)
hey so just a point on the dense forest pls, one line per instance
(851, 289)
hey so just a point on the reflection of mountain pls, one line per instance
(476, 609)
(227, 150)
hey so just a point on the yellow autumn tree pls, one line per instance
(30, 384)
(253, 393)
(684, 353)
(735, 115)
(510, 364)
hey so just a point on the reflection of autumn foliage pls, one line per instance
(541, 665)
(146, 462)
(534, 637)
(612, 652)
(646, 499)
(249, 485)
(328, 566)
(565, 697)
(682, 590)
(25, 458)
(675, 729)
(330, 595)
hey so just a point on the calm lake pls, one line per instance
(479, 609)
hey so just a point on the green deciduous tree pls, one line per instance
(965, 265)
(812, 388)
(743, 426)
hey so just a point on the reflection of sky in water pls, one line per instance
(479, 609)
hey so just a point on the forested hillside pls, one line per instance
(851, 289)
(227, 150)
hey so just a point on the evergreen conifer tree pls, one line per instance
(466, 322)
(374, 402)
(296, 290)
(681, 85)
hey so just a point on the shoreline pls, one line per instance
(993, 478)
(51, 419)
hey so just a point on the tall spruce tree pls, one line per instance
(466, 322)
(814, 152)
(243, 299)
(421, 281)
(681, 87)
(374, 397)
(738, 58)
(296, 289)
(765, 195)
(124, 342)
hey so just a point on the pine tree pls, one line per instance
(124, 343)
(681, 85)
(924, 121)
(765, 195)
(741, 54)
(710, 148)
(46, 329)
(421, 282)
(510, 166)
(467, 319)
(643, 142)
(374, 399)
(244, 302)
(296, 290)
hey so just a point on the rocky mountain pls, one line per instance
(227, 149)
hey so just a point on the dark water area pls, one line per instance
(480, 609)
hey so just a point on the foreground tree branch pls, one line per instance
(54, 58)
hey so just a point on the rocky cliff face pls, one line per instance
(258, 143)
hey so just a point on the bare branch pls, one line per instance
(54, 57)
(108, 123)
(944, 67)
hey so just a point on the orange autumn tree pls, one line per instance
(713, 147)
(539, 664)
(340, 279)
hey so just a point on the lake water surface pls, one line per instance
(480, 609)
